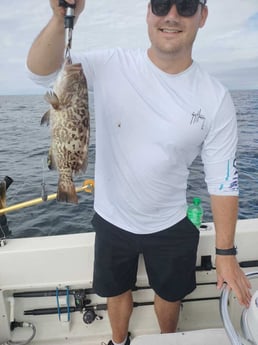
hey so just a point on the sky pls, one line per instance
(227, 46)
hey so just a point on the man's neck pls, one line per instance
(170, 63)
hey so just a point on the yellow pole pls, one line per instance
(88, 187)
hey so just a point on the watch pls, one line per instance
(230, 251)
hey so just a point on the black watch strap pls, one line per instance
(230, 251)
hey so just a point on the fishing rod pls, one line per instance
(68, 24)
(88, 187)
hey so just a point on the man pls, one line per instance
(155, 110)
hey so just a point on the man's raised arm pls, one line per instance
(47, 51)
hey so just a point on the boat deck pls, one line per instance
(200, 337)
(41, 277)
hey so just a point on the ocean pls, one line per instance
(23, 157)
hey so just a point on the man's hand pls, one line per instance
(59, 11)
(228, 271)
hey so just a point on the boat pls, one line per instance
(46, 295)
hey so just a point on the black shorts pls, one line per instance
(169, 255)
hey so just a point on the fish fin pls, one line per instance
(2, 194)
(52, 99)
(45, 118)
(66, 192)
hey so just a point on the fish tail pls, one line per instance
(66, 191)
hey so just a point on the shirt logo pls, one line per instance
(231, 179)
(197, 117)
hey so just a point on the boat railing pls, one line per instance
(235, 338)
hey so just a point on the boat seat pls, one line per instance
(197, 337)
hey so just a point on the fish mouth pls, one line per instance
(76, 67)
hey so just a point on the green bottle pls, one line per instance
(195, 212)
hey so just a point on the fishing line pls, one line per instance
(44, 194)
(18, 191)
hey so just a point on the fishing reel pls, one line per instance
(80, 299)
(90, 316)
(82, 303)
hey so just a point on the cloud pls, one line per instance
(252, 22)
(226, 46)
(228, 43)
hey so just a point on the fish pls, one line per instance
(69, 122)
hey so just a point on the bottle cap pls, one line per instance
(196, 201)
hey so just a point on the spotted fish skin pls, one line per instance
(69, 122)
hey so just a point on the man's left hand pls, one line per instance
(228, 271)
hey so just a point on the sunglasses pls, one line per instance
(185, 8)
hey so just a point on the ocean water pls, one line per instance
(23, 153)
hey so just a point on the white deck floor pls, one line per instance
(202, 337)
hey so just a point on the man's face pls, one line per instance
(174, 34)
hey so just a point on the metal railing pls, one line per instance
(234, 337)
